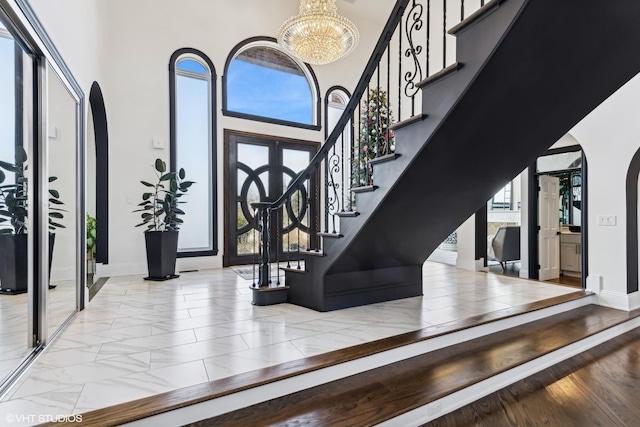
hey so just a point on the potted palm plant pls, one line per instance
(160, 213)
(13, 224)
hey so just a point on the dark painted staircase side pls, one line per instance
(530, 70)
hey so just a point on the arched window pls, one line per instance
(263, 83)
(193, 147)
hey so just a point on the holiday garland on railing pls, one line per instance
(375, 139)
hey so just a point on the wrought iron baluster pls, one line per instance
(278, 232)
(444, 34)
(287, 203)
(367, 144)
(313, 233)
(461, 10)
(255, 250)
(388, 132)
(326, 192)
(428, 41)
(377, 128)
(399, 33)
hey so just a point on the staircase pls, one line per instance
(526, 72)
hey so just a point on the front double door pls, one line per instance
(259, 168)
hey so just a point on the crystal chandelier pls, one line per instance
(318, 35)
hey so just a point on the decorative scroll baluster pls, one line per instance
(413, 26)
(332, 195)
(388, 106)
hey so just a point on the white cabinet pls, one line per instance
(570, 252)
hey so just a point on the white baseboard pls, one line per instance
(616, 300)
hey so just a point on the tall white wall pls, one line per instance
(610, 136)
(126, 45)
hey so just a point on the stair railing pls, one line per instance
(413, 45)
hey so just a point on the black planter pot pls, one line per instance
(162, 250)
(13, 262)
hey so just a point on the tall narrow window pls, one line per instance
(193, 147)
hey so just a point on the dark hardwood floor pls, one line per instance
(599, 387)
(386, 392)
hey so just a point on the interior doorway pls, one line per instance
(259, 168)
(560, 258)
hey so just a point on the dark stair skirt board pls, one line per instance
(352, 289)
(269, 296)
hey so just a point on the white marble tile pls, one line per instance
(249, 360)
(39, 408)
(195, 351)
(100, 394)
(139, 345)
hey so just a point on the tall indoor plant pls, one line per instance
(160, 213)
(13, 236)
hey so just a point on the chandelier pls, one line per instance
(318, 35)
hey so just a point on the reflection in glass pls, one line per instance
(16, 141)
(63, 236)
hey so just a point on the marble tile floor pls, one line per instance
(138, 338)
(14, 325)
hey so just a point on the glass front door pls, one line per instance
(260, 169)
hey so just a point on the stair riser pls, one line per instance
(451, 402)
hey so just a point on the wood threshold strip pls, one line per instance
(378, 395)
(142, 408)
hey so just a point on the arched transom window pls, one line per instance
(264, 83)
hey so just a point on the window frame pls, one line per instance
(211, 77)
(306, 69)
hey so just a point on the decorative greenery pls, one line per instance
(13, 197)
(91, 235)
(375, 139)
(160, 207)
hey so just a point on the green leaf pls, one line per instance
(174, 186)
(56, 215)
(167, 176)
(21, 155)
(2, 176)
(146, 196)
(55, 224)
(181, 173)
(54, 193)
(147, 184)
(52, 178)
(160, 166)
(56, 202)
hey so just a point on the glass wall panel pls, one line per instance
(63, 202)
(16, 144)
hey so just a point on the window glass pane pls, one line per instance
(556, 162)
(191, 65)
(193, 117)
(264, 82)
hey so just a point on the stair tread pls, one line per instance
(407, 122)
(293, 270)
(388, 391)
(348, 214)
(313, 252)
(331, 235)
(475, 16)
(364, 189)
(445, 72)
(385, 158)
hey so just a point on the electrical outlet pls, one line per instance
(434, 408)
(606, 220)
